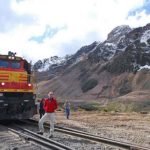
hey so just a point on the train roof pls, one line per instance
(8, 57)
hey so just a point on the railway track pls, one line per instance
(89, 136)
(40, 140)
(31, 136)
(12, 141)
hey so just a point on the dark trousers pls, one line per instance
(67, 113)
(42, 112)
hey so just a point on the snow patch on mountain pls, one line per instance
(145, 37)
(44, 68)
(110, 44)
(45, 64)
(146, 67)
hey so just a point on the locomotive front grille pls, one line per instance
(4, 77)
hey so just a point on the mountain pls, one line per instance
(45, 64)
(101, 70)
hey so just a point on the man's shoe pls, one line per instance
(41, 133)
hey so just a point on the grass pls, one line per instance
(112, 106)
(80, 106)
(128, 106)
(90, 107)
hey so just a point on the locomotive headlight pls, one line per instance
(29, 84)
(3, 83)
(11, 57)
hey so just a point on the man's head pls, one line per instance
(50, 94)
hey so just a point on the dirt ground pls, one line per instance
(127, 127)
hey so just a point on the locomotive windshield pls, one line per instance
(4, 64)
(10, 64)
(15, 65)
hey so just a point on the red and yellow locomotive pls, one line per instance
(17, 98)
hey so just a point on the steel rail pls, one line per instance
(95, 137)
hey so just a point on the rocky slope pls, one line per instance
(108, 69)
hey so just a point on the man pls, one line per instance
(41, 109)
(50, 105)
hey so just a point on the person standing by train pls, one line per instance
(41, 108)
(50, 105)
(67, 109)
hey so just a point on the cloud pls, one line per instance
(39, 29)
(9, 19)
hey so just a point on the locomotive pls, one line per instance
(17, 98)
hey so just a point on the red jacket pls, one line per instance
(50, 105)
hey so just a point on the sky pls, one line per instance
(38, 29)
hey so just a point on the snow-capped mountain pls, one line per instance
(45, 64)
(118, 34)
(122, 42)
(125, 45)
(107, 49)
(118, 66)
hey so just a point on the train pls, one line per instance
(17, 93)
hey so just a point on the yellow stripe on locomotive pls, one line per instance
(18, 81)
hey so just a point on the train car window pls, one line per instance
(15, 65)
(4, 64)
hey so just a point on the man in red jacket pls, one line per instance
(50, 105)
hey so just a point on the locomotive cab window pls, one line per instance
(15, 65)
(4, 64)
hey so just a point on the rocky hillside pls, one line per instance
(101, 70)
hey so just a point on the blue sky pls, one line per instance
(38, 29)
(145, 7)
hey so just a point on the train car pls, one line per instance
(17, 98)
